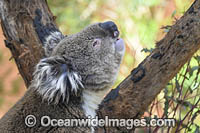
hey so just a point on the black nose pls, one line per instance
(111, 27)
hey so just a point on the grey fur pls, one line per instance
(87, 62)
(51, 42)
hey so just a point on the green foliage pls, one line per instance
(1, 56)
(1, 87)
(182, 98)
(1, 101)
(146, 50)
(16, 86)
(69, 14)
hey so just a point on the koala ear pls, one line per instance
(96, 43)
(55, 80)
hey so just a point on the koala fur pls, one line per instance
(80, 65)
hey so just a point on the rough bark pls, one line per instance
(25, 24)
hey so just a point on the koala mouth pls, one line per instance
(119, 45)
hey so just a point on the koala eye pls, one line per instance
(96, 43)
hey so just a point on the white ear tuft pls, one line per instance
(55, 81)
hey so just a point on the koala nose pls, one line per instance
(111, 27)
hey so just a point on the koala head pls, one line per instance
(95, 53)
(89, 59)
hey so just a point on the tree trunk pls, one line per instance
(25, 23)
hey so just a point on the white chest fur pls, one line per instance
(91, 100)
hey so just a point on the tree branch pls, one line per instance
(25, 23)
(145, 82)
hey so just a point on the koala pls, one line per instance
(82, 65)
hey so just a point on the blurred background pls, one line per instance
(142, 23)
